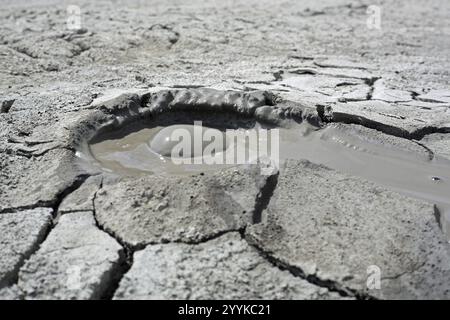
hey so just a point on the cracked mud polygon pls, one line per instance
(92, 205)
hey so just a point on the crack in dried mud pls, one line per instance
(54, 205)
(325, 114)
(125, 261)
(332, 286)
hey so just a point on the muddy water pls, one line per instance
(146, 151)
(407, 172)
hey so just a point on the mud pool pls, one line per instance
(144, 150)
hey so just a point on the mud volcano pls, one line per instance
(335, 184)
(144, 147)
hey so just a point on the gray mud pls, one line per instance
(414, 172)
(371, 101)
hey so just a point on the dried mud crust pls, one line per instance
(316, 53)
(130, 215)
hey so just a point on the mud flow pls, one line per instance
(146, 148)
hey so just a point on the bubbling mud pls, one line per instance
(165, 141)
(146, 149)
(151, 150)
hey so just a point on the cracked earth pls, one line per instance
(308, 231)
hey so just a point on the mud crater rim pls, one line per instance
(339, 146)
